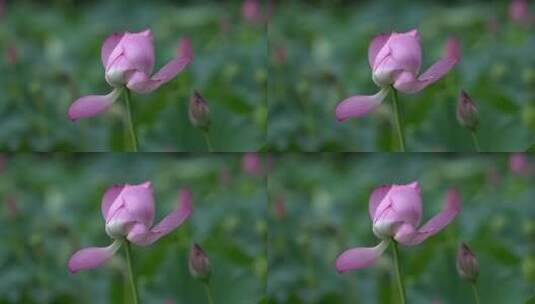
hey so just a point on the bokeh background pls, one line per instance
(50, 56)
(319, 207)
(318, 57)
(51, 208)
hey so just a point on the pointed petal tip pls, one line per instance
(185, 202)
(452, 49)
(453, 200)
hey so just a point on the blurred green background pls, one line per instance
(51, 56)
(318, 57)
(319, 207)
(51, 208)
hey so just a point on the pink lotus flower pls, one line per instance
(395, 60)
(128, 60)
(252, 11)
(252, 164)
(396, 211)
(519, 12)
(518, 163)
(129, 214)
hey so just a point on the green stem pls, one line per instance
(208, 141)
(208, 293)
(399, 279)
(476, 293)
(397, 120)
(131, 276)
(131, 129)
(475, 141)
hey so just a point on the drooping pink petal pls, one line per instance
(357, 258)
(139, 235)
(376, 197)
(92, 105)
(108, 46)
(93, 257)
(108, 198)
(439, 221)
(360, 105)
(375, 46)
(141, 83)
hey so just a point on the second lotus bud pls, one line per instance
(199, 112)
(467, 113)
(199, 264)
(467, 265)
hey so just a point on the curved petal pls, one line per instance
(138, 48)
(92, 105)
(406, 51)
(139, 202)
(140, 83)
(360, 105)
(406, 82)
(357, 258)
(376, 197)
(108, 46)
(406, 202)
(439, 221)
(139, 235)
(375, 46)
(108, 198)
(93, 257)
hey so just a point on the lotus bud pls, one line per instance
(467, 265)
(199, 264)
(467, 113)
(199, 112)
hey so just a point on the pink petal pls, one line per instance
(108, 46)
(139, 235)
(92, 105)
(139, 202)
(452, 49)
(138, 48)
(357, 258)
(406, 82)
(93, 257)
(140, 83)
(406, 201)
(360, 105)
(375, 46)
(402, 203)
(376, 198)
(439, 221)
(109, 197)
(404, 49)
